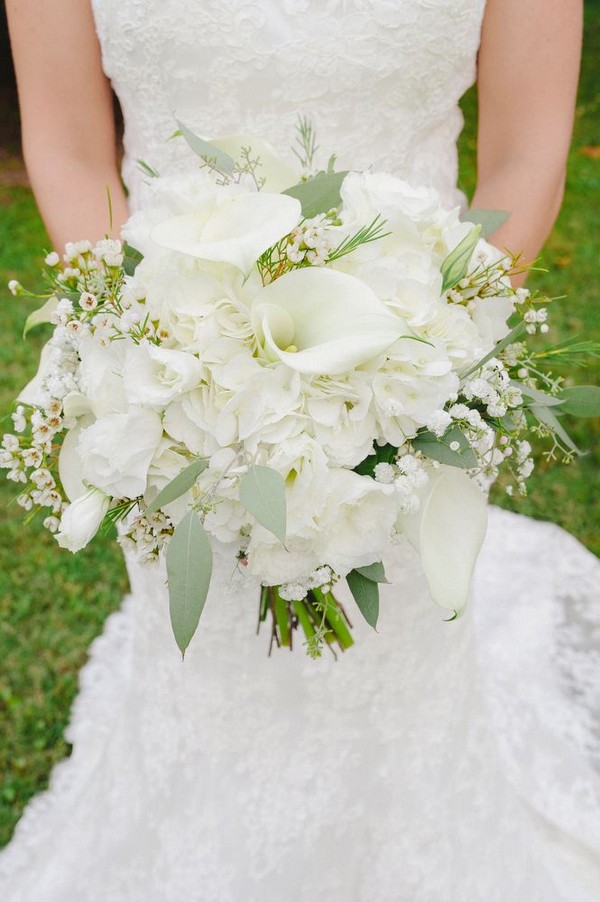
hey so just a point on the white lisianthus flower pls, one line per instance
(322, 322)
(233, 227)
(117, 449)
(81, 520)
(154, 376)
(356, 521)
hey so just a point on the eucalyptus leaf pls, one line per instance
(439, 448)
(489, 220)
(262, 492)
(374, 572)
(514, 335)
(207, 151)
(318, 194)
(366, 595)
(131, 258)
(456, 265)
(41, 315)
(178, 486)
(189, 568)
(545, 416)
(581, 401)
(540, 397)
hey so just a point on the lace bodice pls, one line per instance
(379, 79)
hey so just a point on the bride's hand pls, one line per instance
(527, 83)
(67, 118)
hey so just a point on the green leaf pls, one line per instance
(374, 572)
(131, 258)
(439, 448)
(207, 151)
(262, 492)
(41, 315)
(178, 486)
(189, 568)
(581, 401)
(541, 397)
(318, 194)
(514, 335)
(456, 265)
(366, 596)
(489, 220)
(383, 454)
(545, 416)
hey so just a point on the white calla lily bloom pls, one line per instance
(237, 230)
(322, 322)
(448, 532)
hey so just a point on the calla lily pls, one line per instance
(448, 532)
(237, 231)
(277, 175)
(32, 392)
(70, 466)
(322, 322)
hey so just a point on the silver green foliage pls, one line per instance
(178, 486)
(189, 569)
(262, 492)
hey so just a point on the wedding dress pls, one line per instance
(435, 761)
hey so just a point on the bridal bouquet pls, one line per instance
(302, 373)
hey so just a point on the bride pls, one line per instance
(435, 762)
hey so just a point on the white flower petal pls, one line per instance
(237, 231)
(333, 321)
(448, 531)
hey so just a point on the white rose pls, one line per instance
(154, 376)
(81, 520)
(117, 449)
(356, 521)
(364, 194)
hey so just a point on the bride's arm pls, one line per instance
(527, 82)
(67, 118)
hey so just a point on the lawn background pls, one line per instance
(52, 604)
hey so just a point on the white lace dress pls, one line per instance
(435, 762)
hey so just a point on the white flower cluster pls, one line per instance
(311, 242)
(322, 578)
(146, 535)
(306, 372)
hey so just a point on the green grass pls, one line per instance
(52, 604)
